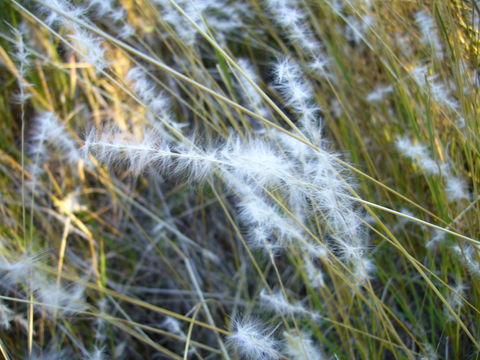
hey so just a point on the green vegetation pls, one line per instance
(257, 179)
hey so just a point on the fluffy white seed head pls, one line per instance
(59, 300)
(288, 15)
(195, 163)
(252, 340)
(173, 325)
(150, 151)
(428, 82)
(251, 95)
(157, 102)
(113, 147)
(22, 54)
(455, 188)
(57, 134)
(20, 271)
(142, 86)
(299, 346)
(320, 64)
(90, 48)
(298, 93)
(256, 160)
(293, 147)
(55, 298)
(455, 298)
(258, 213)
(350, 250)
(316, 250)
(59, 6)
(362, 269)
(420, 154)
(379, 93)
(314, 274)
(357, 27)
(468, 255)
(429, 32)
(261, 237)
(249, 70)
(437, 237)
(223, 18)
(278, 303)
(44, 125)
(409, 149)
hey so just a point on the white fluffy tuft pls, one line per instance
(252, 340)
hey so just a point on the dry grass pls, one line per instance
(156, 261)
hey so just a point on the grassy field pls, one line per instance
(256, 179)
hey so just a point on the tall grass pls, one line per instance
(259, 179)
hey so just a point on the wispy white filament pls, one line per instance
(429, 32)
(455, 188)
(252, 340)
(299, 346)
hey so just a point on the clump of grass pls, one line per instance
(273, 179)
